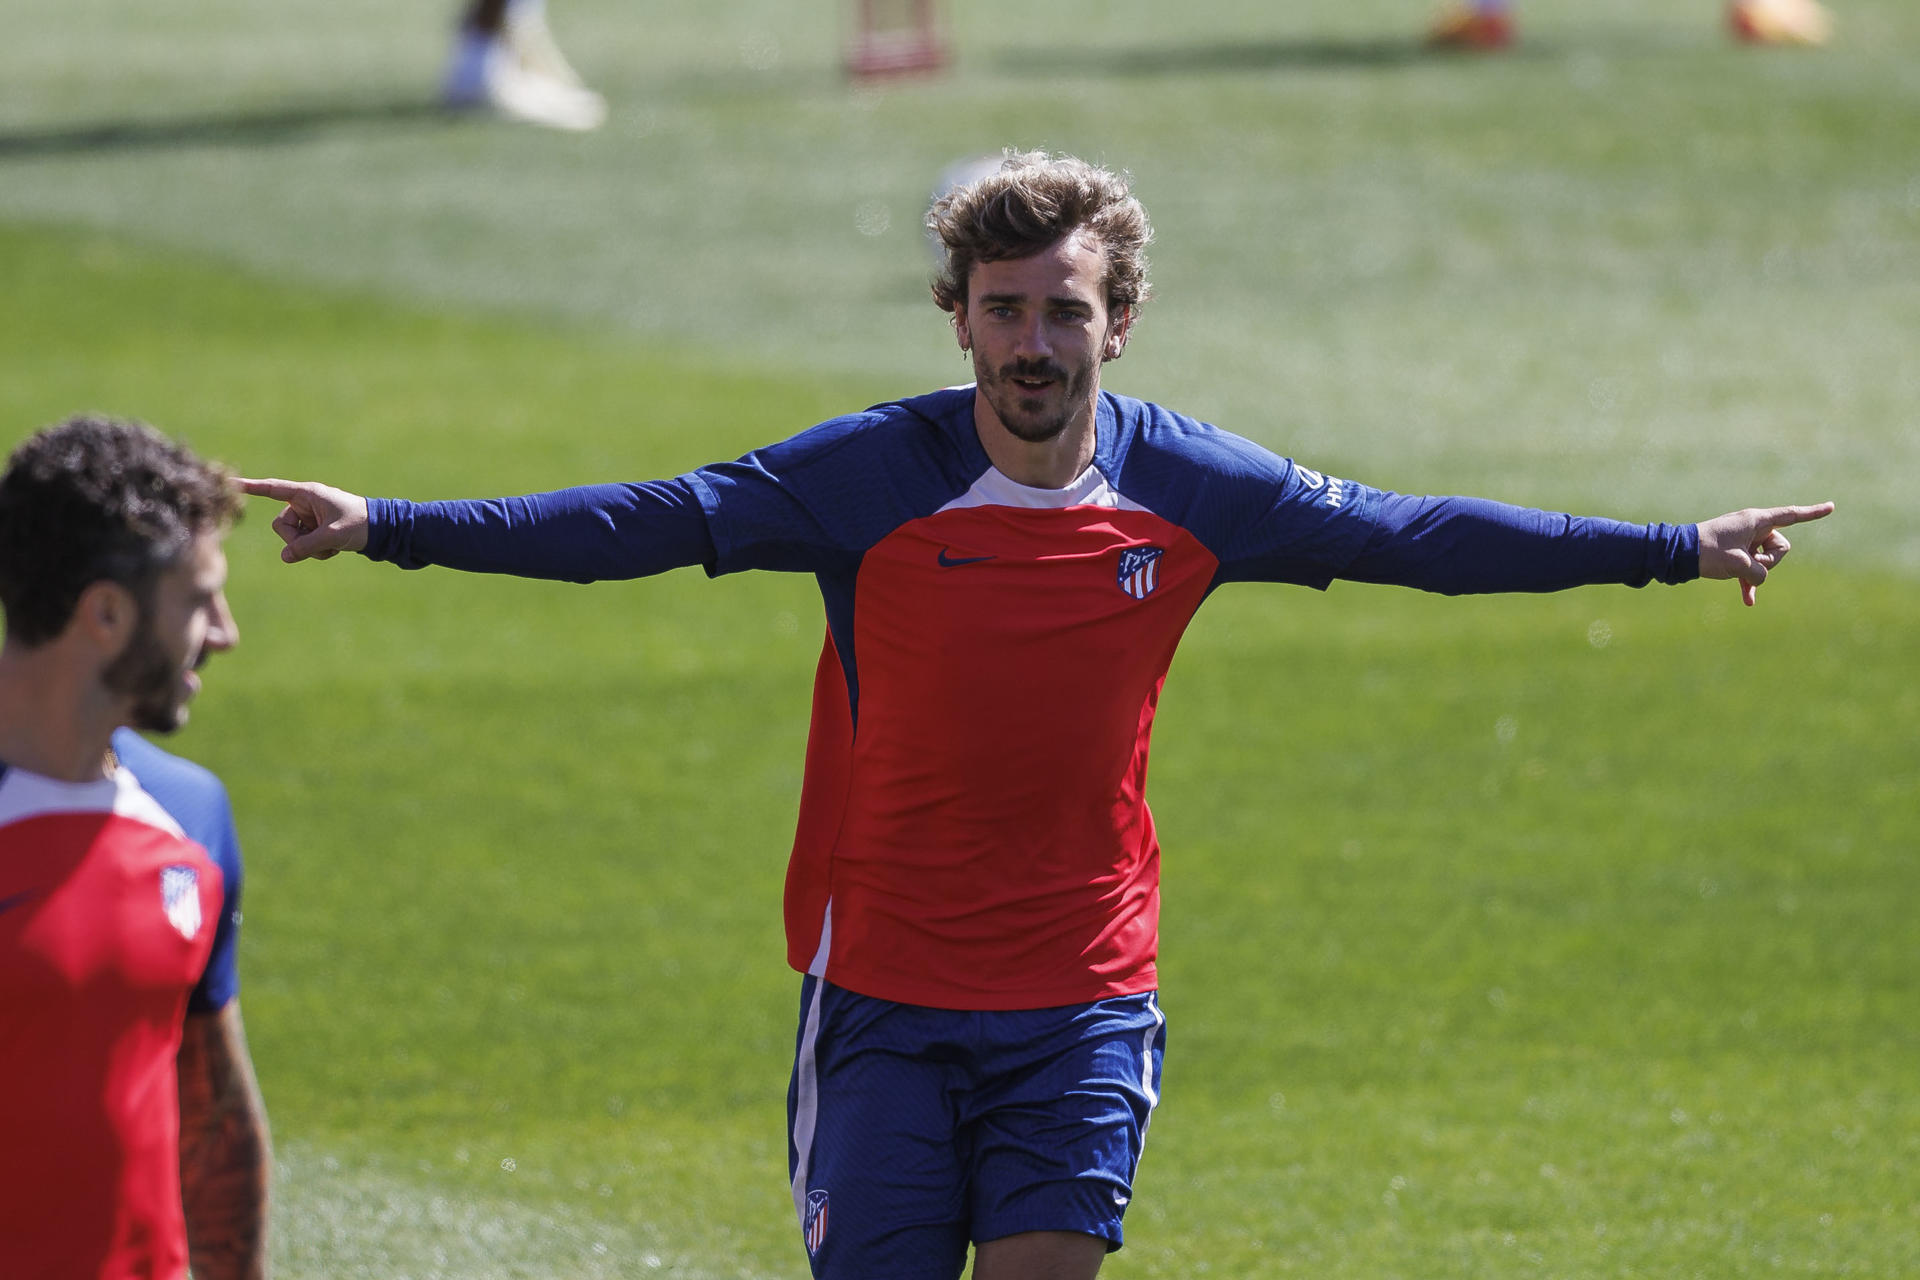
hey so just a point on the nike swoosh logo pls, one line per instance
(7, 904)
(949, 562)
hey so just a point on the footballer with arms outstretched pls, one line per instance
(133, 1130)
(973, 895)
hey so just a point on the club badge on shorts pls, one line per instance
(180, 898)
(1140, 570)
(815, 1226)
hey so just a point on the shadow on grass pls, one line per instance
(1237, 55)
(257, 128)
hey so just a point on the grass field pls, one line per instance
(1569, 936)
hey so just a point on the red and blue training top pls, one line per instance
(973, 829)
(119, 908)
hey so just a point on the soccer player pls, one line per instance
(133, 1129)
(973, 895)
(505, 58)
(1487, 25)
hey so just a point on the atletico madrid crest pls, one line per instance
(180, 898)
(815, 1226)
(1140, 570)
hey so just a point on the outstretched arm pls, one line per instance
(225, 1157)
(1748, 544)
(589, 533)
(1470, 545)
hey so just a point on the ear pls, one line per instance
(961, 331)
(1118, 327)
(107, 615)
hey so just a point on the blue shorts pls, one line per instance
(914, 1131)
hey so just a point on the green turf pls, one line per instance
(1504, 938)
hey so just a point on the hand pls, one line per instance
(1748, 545)
(318, 523)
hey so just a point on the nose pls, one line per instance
(222, 632)
(1032, 341)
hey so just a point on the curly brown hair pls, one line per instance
(97, 498)
(1033, 201)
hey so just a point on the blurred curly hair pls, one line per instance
(97, 498)
(1033, 201)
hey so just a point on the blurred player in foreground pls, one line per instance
(1486, 25)
(973, 895)
(505, 59)
(132, 1125)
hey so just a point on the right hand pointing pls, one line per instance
(318, 521)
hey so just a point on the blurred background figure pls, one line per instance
(1482, 24)
(1780, 21)
(505, 60)
(1488, 24)
(894, 38)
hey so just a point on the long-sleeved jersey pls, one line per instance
(973, 828)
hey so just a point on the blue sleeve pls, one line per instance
(1277, 521)
(811, 503)
(1462, 546)
(197, 800)
(589, 534)
(1270, 519)
(221, 981)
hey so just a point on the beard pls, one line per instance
(1035, 417)
(148, 674)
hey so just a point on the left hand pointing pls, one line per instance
(1748, 544)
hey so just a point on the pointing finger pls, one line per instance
(285, 490)
(1779, 517)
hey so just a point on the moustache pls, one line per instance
(1033, 369)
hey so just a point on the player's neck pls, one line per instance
(1044, 464)
(49, 723)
